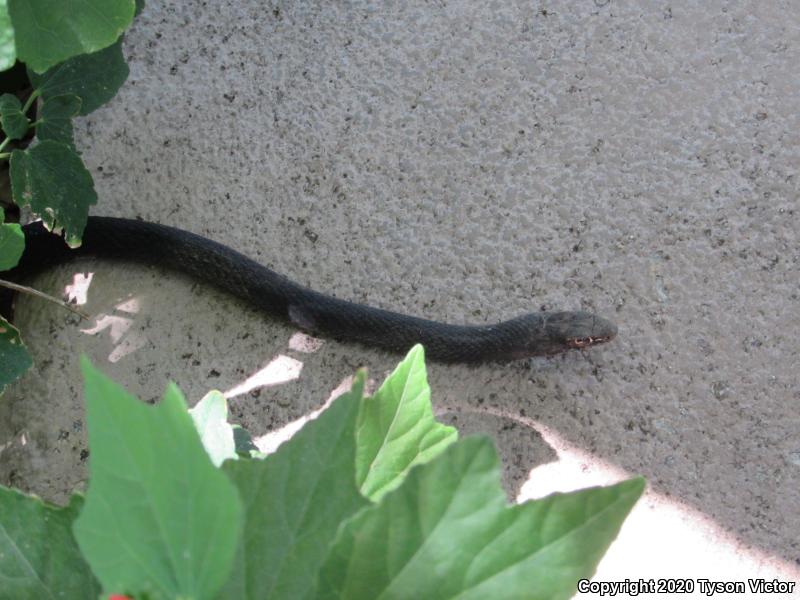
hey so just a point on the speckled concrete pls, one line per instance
(466, 161)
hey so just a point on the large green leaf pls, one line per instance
(396, 428)
(15, 124)
(8, 51)
(14, 356)
(159, 517)
(55, 119)
(210, 417)
(295, 500)
(51, 31)
(51, 178)
(447, 533)
(95, 78)
(39, 557)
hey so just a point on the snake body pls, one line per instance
(320, 314)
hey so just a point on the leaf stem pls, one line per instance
(27, 290)
(34, 95)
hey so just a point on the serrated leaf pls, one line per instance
(39, 557)
(15, 124)
(397, 430)
(55, 119)
(8, 50)
(159, 517)
(95, 78)
(12, 244)
(210, 417)
(14, 356)
(295, 499)
(51, 31)
(447, 533)
(51, 178)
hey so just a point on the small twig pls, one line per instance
(27, 290)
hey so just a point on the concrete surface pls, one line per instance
(467, 161)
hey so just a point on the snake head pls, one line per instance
(578, 329)
(552, 332)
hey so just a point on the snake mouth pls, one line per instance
(600, 330)
(585, 342)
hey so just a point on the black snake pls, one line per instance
(149, 243)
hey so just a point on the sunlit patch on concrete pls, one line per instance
(662, 537)
(77, 292)
(124, 339)
(281, 369)
(269, 442)
(573, 470)
(127, 346)
(130, 306)
(301, 342)
(116, 326)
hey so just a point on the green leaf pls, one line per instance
(38, 554)
(210, 417)
(447, 533)
(12, 244)
(159, 517)
(51, 31)
(8, 51)
(94, 78)
(15, 124)
(14, 356)
(51, 178)
(396, 428)
(55, 119)
(139, 7)
(295, 500)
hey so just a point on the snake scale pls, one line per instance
(320, 314)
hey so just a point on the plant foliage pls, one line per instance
(14, 356)
(160, 520)
(372, 499)
(156, 521)
(73, 52)
(48, 32)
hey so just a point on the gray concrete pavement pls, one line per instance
(467, 162)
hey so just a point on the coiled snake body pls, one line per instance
(149, 243)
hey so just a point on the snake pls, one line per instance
(532, 334)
